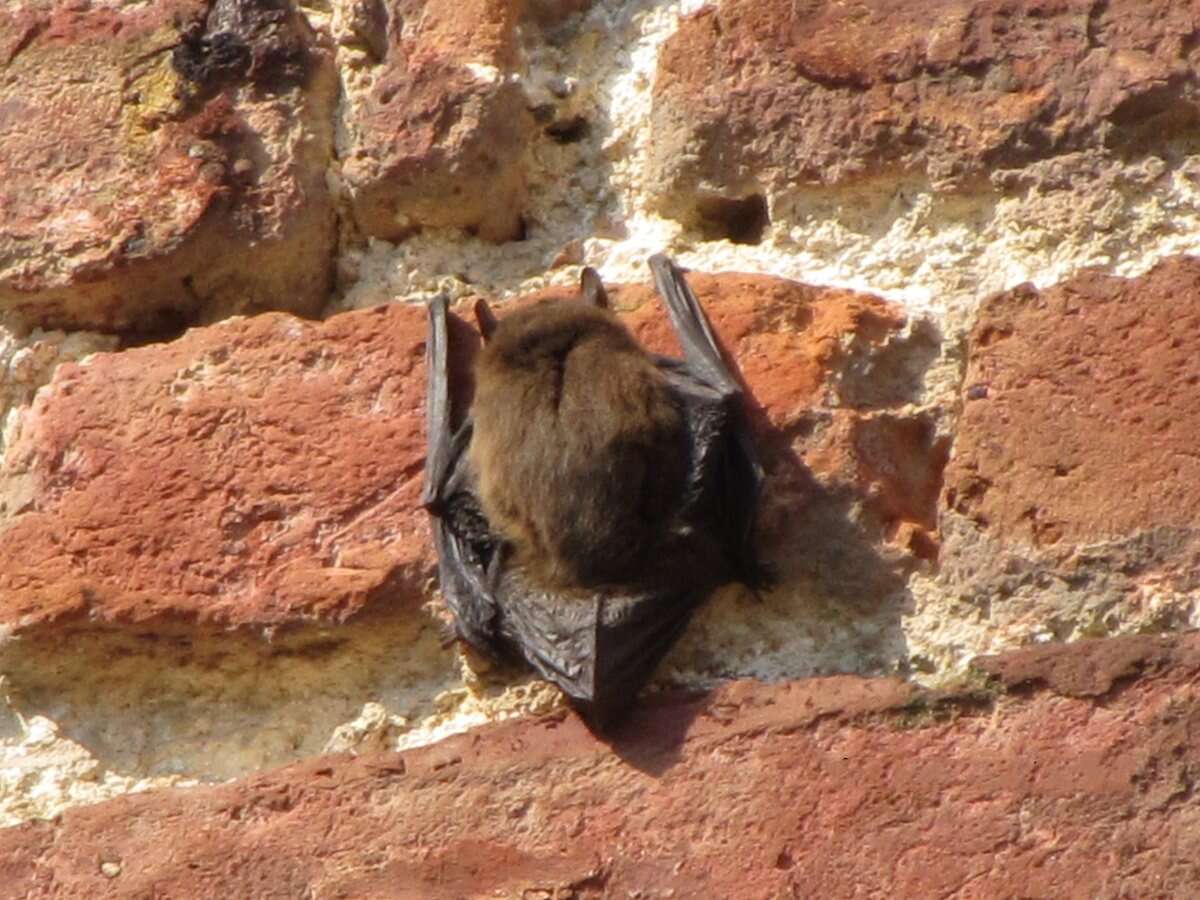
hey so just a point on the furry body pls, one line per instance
(580, 448)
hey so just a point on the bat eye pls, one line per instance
(485, 318)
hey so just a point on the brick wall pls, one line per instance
(947, 246)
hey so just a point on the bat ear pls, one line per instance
(592, 288)
(486, 319)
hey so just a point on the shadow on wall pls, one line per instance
(843, 587)
(848, 514)
(825, 546)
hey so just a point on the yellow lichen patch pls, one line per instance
(151, 98)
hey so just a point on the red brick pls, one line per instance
(266, 470)
(139, 182)
(752, 95)
(432, 141)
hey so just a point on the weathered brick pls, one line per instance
(1070, 499)
(161, 161)
(753, 95)
(266, 470)
(436, 128)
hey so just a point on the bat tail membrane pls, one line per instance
(599, 651)
(632, 637)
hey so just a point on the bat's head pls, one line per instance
(591, 293)
(545, 332)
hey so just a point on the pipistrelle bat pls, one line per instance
(595, 493)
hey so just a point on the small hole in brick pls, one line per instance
(568, 131)
(742, 220)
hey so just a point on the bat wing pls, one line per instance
(599, 650)
(729, 462)
(700, 350)
(438, 439)
(464, 542)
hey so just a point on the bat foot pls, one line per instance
(475, 663)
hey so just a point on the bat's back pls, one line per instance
(579, 446)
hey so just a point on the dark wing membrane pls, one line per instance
(735, 478)
(633, 635)
(554, 635)
(461, 535)
(700, 350)
(437, 403)
(599, 649)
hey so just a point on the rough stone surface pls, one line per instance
(1076, 423)
(436, 126)
(27, 362)
(162, 160)
(1070, 501)
(251, 473)
(597, 191)
(750, 95)
(838, 787)
(154, 497)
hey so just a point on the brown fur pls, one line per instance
(580, 448)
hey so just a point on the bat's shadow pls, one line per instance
(651, 738)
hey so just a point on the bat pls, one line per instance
(594, 495)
